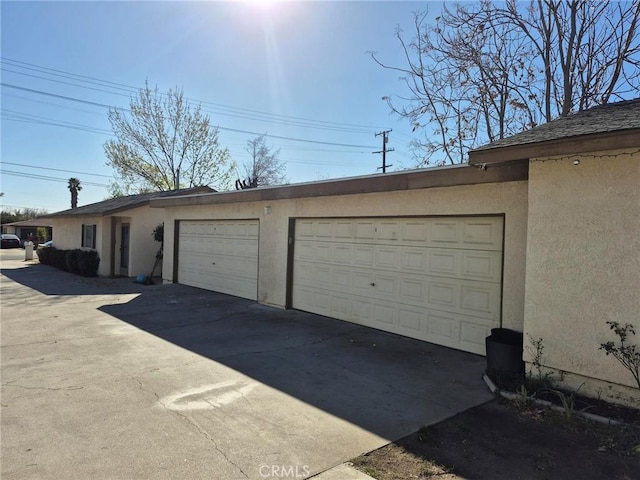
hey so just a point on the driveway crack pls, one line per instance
(195, 424)
(51, 389)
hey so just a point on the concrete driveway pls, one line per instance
(103, 378)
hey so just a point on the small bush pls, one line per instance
(88, 262)
(81, 262)
(44, 254)
(59, 259)
(71, 260)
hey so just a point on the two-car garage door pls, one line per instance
(436, 279)
(219, 255)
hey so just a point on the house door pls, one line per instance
(124, 249)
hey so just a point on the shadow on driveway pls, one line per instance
(387, 384)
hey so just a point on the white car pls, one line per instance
(46, 244)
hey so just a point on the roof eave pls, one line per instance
(429, 178)
(579, 144)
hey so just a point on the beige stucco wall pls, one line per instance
(509, 198)
(143, 249)
(67, 234)
(583, 262)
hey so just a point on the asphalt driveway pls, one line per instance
(103, 378)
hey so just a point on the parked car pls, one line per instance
(10, 241)
(46, 244)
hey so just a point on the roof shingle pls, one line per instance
(113, 205)
(611, 117)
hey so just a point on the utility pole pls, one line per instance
(385, 140)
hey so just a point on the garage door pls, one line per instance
(220, 256)
(436, 279)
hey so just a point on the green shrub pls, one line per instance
(71, 260)
(60, 259)
(44, 254)
(81, 262)
(88, 262)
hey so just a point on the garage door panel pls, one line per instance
(387, 258)
(414, 259)
(435, 279)
(443, 328)
(482, 233)
(414, 232)
(361, 310)
(339, 278)
(305, 250)
(304, 229)
(388, 230)
(443, 295)
(322, 252)
(447, 294)
(343, 229)
(324, 229)
(443, 262)
(365, 230)
(412, 323)
(445, 232)
(361, 283)
(473, 333)
(343, 254)
(481, 266)
(386, 286)
(219, 255)
(384, 316)
(413, 290)
(363, 255)
(480, 300)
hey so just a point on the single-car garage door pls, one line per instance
(436, 279)
(219, 255)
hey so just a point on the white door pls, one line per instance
(436, 279)
(219, 255)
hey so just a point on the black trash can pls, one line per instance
(504, 352)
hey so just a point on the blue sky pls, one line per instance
(306, 60)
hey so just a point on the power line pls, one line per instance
(53, 71)
(6, 205)
(55, 95)
(44, 177)
(263, 118)
(64, 83)
(64, 97)
(310, 123)
(12, 115)
(55, 169)
(57, 105)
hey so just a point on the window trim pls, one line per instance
(93, 229)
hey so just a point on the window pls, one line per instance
(89, 236)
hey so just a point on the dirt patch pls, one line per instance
(502, 440)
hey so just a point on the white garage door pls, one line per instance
(219, 255)
(436, 279)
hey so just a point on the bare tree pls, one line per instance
(74, 187)
(18, 215)
(163, 143)
(265, 168)
(485, 71)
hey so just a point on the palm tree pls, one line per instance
(74, 187)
